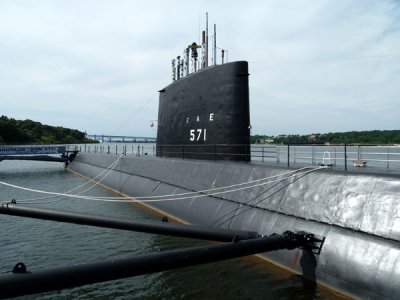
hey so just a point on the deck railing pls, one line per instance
(341, 157)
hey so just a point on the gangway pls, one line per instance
(38, 153)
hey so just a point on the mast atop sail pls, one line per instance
(189, 62)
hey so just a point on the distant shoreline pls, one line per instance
(372, 137)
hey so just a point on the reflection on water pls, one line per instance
(45, 244)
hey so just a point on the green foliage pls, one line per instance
(29, 132)
(374, 137)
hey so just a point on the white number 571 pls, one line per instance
(197, 134)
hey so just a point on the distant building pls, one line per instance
(312, 138)
(269, 141)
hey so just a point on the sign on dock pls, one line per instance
(25, 150)
(38, 153)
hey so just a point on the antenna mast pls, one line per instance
(215, 44)
(206, 58)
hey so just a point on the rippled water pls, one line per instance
(45, 244)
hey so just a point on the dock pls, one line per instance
(38, 153)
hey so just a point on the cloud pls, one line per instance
(93, 65)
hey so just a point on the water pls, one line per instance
(45, 244)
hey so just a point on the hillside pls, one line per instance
(373, 137)
(30, 132)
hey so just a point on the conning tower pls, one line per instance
(204, 114)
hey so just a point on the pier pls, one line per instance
(38, 153)
(121, 138)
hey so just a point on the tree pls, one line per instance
(30, 132)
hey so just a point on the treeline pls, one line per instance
(374, 137)
(29, 132)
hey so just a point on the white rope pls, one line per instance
(118, 199)
(114, 164)
(138, 199)
(207, 190)
(162, 196)
(243, 209)
(123, 199)
(213, 189)
(190, 194)
(221, 192)
(109, 169)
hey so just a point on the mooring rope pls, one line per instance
(248, 205)
(203, 191)
(190, 195)
(108, 170)
(214, 189)
(160, 196)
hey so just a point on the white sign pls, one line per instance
(21, 150)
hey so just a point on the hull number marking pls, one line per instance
(198, 135)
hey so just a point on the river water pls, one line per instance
(45, 244)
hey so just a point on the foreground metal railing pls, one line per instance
(342, 157)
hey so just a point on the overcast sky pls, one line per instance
(96, 66)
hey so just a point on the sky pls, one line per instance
(96, 65)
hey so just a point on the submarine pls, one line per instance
(202, 174)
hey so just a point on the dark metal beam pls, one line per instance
(190, 231)
(21, 282)
(34, 157)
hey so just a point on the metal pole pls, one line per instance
(288, 155)
(278, 153)
(206, 43)
(345, 157)
(388, 158)
(335, 155)
(313, 155)
(262, 154)
(191, 231)
(215, 44)
(294, 155)
(23, 283)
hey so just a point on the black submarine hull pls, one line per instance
(206, 115)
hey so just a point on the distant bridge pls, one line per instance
(121, 138)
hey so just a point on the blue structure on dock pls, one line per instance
(38, 153)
